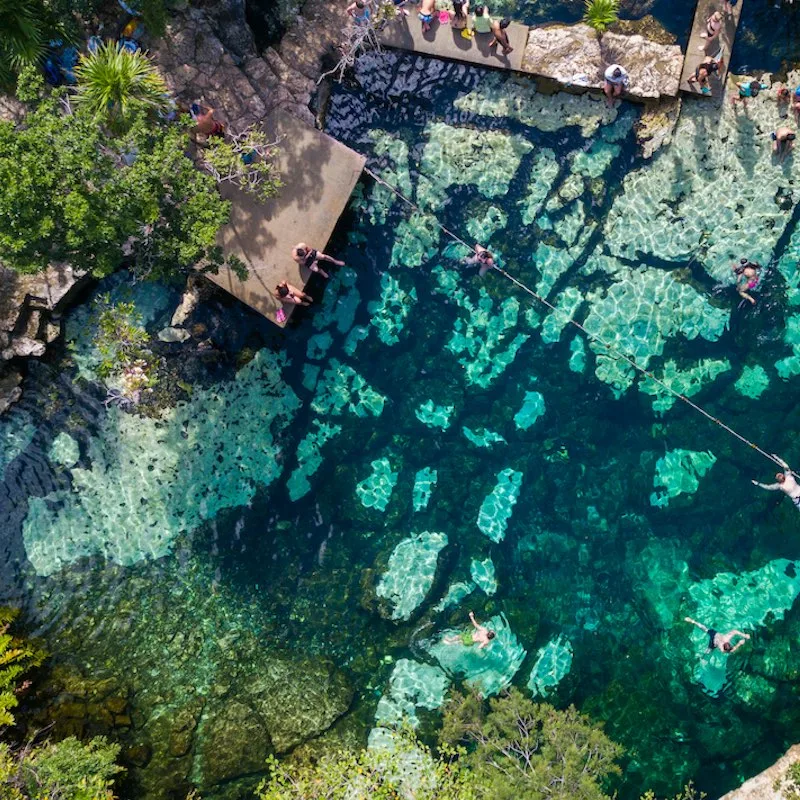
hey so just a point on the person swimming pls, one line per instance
(748, 274)
(786, 483)
(720, 641)
(481, 635)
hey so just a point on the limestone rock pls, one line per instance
(577, 55)
(763, 785)
(232, 741)
(187, 305)
(172, 335)
(10, 390)
(655, 127)
(23, 347)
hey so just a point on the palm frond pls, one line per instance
(601, 14)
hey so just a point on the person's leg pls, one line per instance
(608, 92)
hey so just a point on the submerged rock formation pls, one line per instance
(766, 785)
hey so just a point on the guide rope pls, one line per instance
(593, 336)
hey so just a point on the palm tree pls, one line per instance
(601, 14)
(22, 36)
(114, 83)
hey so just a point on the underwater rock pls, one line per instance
(483, 574)
(411, 686)
(434, 416)
(424, 481)
(544, 172)
(394, 169)
(309, 458)
(532, 409)
(496, 509)
(173, 335)
(449, 160)
(10, 390)
(64, 450)
(412, 568)
(638, 313)
(456, 592)
(340, 302)
(655, 127)
(390, 312)
(483, 438)
(577, 359)
(481, 230)
(753, 382)
(679, 472)
(687, 382)
(744, 602)
(202, 456)
(376, 490)
(341, 388)
(660, 576)
(552, 665)
(567, 304)
(763, 786)
(416, 241)
(488, 671)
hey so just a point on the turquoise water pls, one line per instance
(276, 557)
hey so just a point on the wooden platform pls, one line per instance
(319, 174)
(695, 55)
(442, 41)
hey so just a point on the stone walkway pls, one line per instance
(319, 174)
(699, 49)
(570, 55)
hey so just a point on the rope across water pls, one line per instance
(592, 336)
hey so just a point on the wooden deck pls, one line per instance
(443, 41)
(319, 174)
(700, 49)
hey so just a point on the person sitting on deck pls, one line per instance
(426, 11)
(500, 35)
(616, 79)
(308, 257)
(359, 11)
(481, 635)
(482, 258)
(720, 641)
(287, 293)
(713, 27)
(782, 142)
(703, 72)
(460, 20)
(747, 276)
(481, 20)
(205, 122)
(786, 483)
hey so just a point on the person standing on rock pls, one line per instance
(616, 79)
(782, 142)
(786, 483)
(500, 36)
(359, 11)
(720, 641)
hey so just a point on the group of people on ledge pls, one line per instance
(307, 258)
(477, 22)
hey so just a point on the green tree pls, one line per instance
(601, 14)
(115, 85)
(22, 36)
(521, 750)
(16, 657)
(73, 193)
(405, 770)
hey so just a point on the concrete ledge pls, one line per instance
(319, 174)
(442, 41)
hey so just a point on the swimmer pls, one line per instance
(483, 258)
(785, 483)
(481, 636)
(720, 641)
(782, 142)
(747, 277)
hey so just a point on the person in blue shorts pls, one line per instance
(426, 10)
(359, 11)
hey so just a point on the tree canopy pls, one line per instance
(72, 192)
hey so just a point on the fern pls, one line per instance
(16, 657)
(601, 14)
(114, 84)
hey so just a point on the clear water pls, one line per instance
(222, 566)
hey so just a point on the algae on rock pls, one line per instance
(679, 472)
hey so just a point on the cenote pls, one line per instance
(312, 507)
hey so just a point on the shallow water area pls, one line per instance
(277, 556)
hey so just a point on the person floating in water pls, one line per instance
(481, 635)
(482, 258)
(785, 483)
(747, 274)
(721, 641)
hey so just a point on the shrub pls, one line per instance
(601, 14)
(16, 657)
